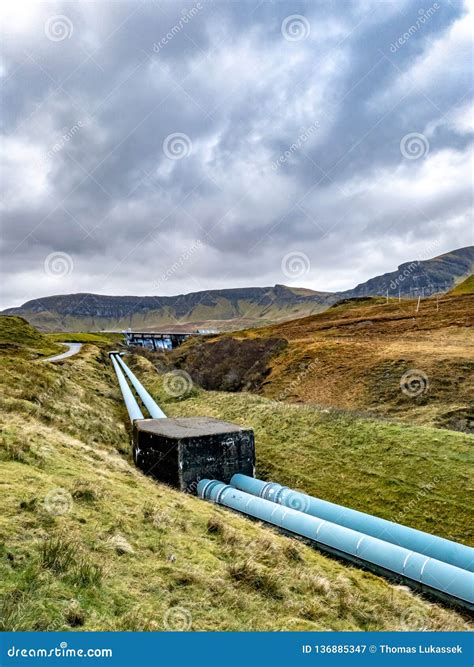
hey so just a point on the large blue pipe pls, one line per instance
(155, 411)
(445, 580)
(439, 548)
(131, 404)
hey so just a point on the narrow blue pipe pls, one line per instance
(439, 577)
(155, 411)
(439, 548)
(131, 404)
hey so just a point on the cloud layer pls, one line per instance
(160, 149)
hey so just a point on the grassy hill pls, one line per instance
(238, 308)
(88, 542)
(17, 335)
(409, 474)
(464, 287)
(403, 360)
(227, 308)
(417, 278)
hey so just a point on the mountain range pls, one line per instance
(227, 309)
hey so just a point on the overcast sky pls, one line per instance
(167, 147)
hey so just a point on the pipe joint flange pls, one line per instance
(279, 494)
(270, 489)
(264, 489)
(221, 491)
(207, 487)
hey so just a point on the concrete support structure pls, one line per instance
(182, 451)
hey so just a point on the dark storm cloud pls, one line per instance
(286, 118)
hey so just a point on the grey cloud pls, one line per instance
(85, 119)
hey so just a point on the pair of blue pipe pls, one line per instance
(133, 409)
(440, 566)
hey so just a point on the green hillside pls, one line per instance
(464, 287)
(16, 333)
(88, 542)
(353, 356)
(410, 474)
(226, 309)
(236, 308)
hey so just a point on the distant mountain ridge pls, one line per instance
(420, 277)
(238, 307)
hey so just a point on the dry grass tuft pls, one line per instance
(59, 570)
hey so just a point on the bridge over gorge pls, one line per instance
(162, 340)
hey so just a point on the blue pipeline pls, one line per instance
(382, 557)
(439, 548)
(131, 404)
(155, 411)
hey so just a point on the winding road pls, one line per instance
(73, 348)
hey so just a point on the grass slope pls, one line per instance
(353, 356)
(414, 475)
(82, 337)
(86, 541)
(464, 287)
(17, 334)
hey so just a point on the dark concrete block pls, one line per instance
(183, 451)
